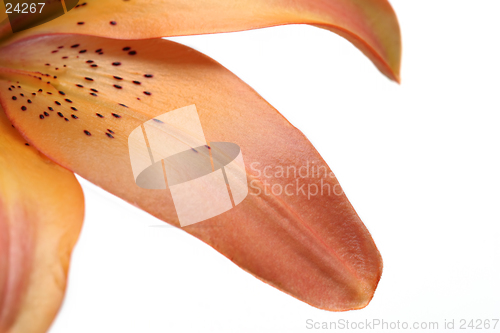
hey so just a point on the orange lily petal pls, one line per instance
(371, 25)
(313, 247)
(41, 213)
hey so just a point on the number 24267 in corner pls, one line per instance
(24, 8)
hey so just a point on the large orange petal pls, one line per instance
(371, 25)
(41, 213)
(313, 247)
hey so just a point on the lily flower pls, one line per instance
(73, 89)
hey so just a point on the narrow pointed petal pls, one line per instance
(41, 213)
(312, 246)
(371, 25)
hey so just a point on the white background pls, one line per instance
(419, 162)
